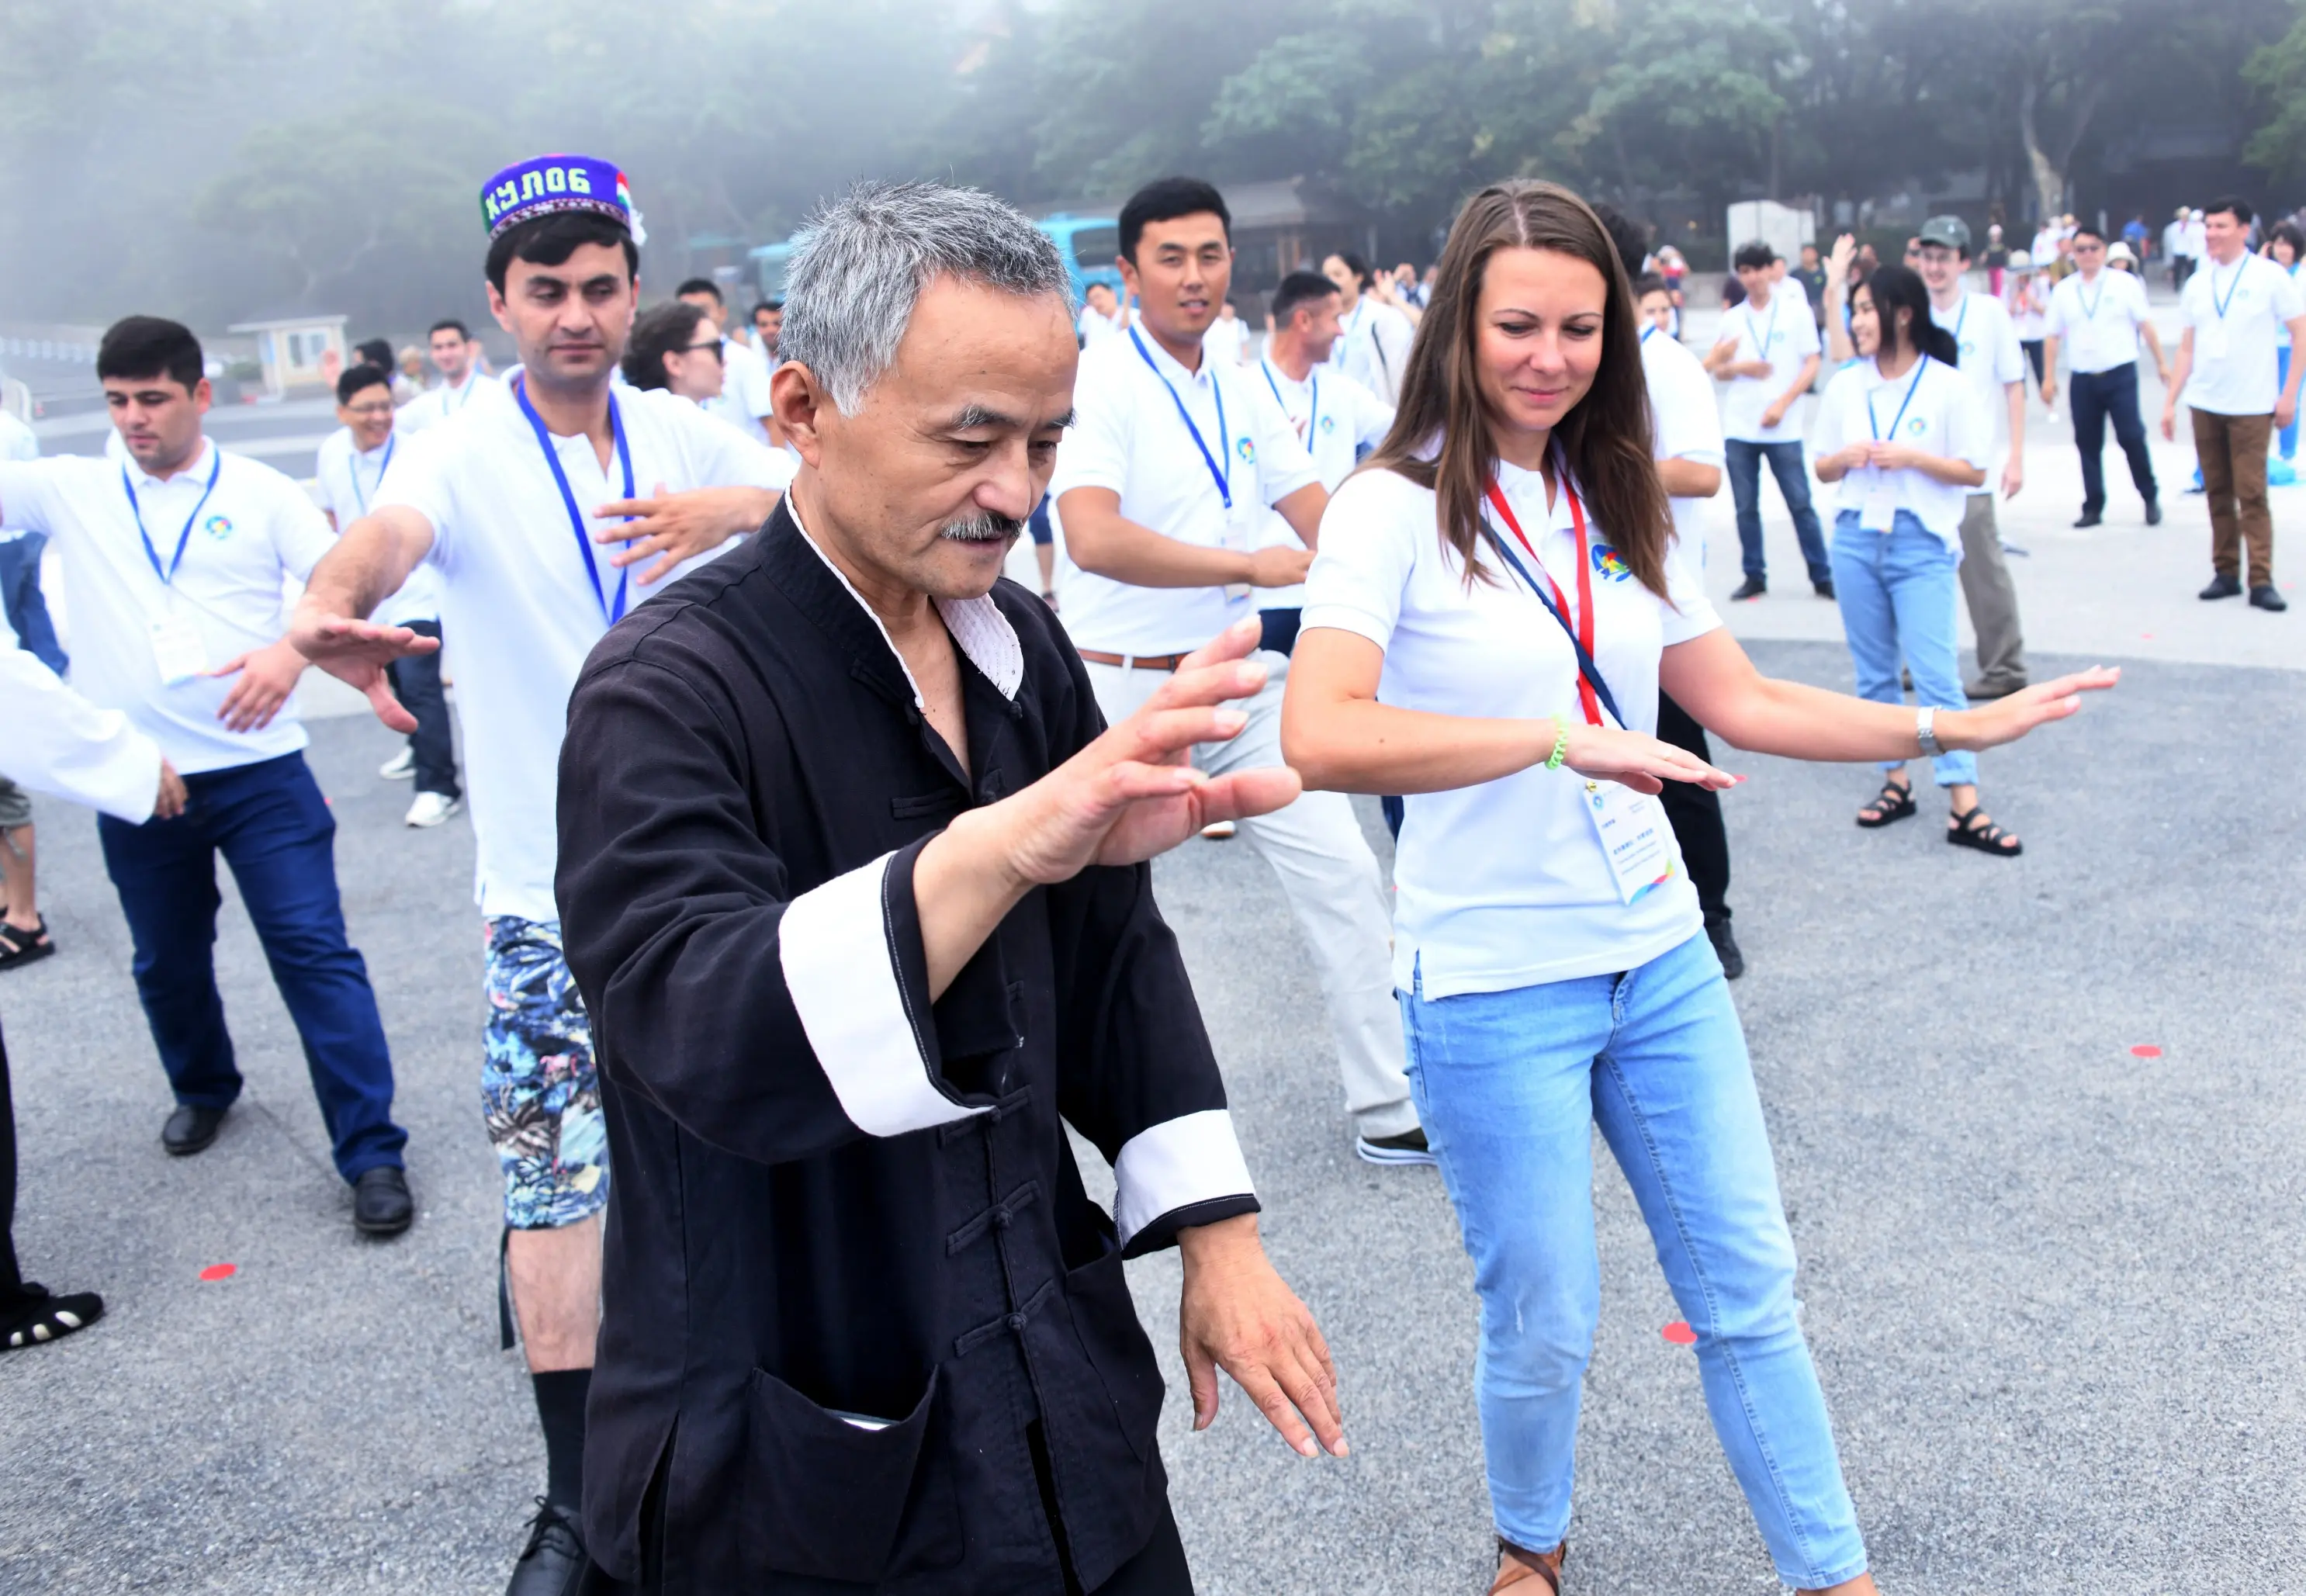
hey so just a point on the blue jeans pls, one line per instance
(1509, 1086)
(270, 824)
(21, 601)
(1745, 462)
(1897, 595)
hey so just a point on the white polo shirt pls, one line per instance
(1339, 420)
(59, 742)
(744, 396)
(436, 403)
(1128, 437)
(1503, 884)
(1941, 417)
(1991, 358)
(1372, 348)
(1784, 334)
(1687, 420)
(516, 597)
(1094, 330)
(241, 539)
(348, 480)
(2097, 323)
(17, 442)
(1227, 339)
(2235, 313)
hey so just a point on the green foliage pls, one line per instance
(2277, 76)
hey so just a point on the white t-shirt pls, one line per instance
(2173, 239)
(2198, 243)
(254, 529)
(59, 742)
(2282, 338)
(436, 403)
(2259, 299)
(1227, 339)
(1128, 437)
(1941, 416)
(17, 442)
(1990, 359)
(2045, 246)
(2025, 297)
(1096, 329)
(1372, 348)
(348, 482)
(1784, 334)
(1339, 420)
(1687, 419)
(517, 598)
(744, 396)
(2097, 323)
(1503, 884)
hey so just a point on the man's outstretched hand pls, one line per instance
(357, 651)
(1238, 1316)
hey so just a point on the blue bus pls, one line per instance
(1088, 244)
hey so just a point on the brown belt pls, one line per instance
(1134, 661)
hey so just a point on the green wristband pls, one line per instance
(1560, 742)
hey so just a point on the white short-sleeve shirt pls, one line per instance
(744, 396)
(1931, 407)
(1372, 348)
(348, 480)
(2247, 305)
(1784, 334)
(1687, 419)
(1990, 359)
(2097, 323)
(1128, 437)
(518, 603)
(1503, 884)
(17, 442)
(1340, 421)
(241, 541)
(436, 403)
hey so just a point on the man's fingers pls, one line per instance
(1201, 1379)
(1261, 1388)
(1152, 739)
(388, 708)
(1313, 1389)
(1246, 794)
(624, 509)
(1191, 685)
(1233, 642)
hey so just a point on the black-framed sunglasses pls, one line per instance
(714, 347)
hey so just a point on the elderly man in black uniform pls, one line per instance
(853, 879)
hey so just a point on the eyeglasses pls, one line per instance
(714, 348)
(366, 411)
(2081, 248)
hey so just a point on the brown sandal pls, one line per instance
(1517, 1566)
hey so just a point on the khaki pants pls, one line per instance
(2232, 452)
(1993, 601)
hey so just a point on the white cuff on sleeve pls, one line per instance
(1192, 1159)
(840, 967)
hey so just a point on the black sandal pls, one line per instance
(1985, 837)
(1895, 801)
(18, 946)
(35, 1316)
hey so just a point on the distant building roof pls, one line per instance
(282, 323)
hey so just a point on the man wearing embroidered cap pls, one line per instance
(549, 506)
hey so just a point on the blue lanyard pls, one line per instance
(2218, 304)
(1761, 343)
(2089, 306)
(1312, 381)
(182, 538)
(1960, 322)
(1873, 423)
(615, 612)
(359, 497)
(1221, 474)
(1649, 332)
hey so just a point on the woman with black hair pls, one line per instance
(1907, 442)
(2286, 246)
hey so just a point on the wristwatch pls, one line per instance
(1926, 733)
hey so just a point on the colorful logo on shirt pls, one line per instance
(1916, 427)
(1609, 566)
(218, 527)
(1328, 423)
(1246, 450)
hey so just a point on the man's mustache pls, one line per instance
(988, 528)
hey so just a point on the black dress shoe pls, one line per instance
(381, 1206)
(2153, 512)
(2222, 587)
(2266, 598)
(1752, 587)
(2090, 519)
(551, 1558)
(1725, 947)
(1824, 589)
(189, 1129)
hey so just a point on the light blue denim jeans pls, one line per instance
(1897, 593)
(1509, 1086)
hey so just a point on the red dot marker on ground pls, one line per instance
(1679, 1334)
(220, 1271)
(2146, 1050)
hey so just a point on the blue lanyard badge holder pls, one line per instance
(2210, 336)
(1879, 511)
(1241, 509)
(179, 653)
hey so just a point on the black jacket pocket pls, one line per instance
(830, 1499)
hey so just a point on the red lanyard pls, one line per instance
(1585, 697)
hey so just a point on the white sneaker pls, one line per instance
(400, 767)
(430, 808)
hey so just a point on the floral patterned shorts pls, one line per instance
(538, 1088)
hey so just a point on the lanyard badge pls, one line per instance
(168, 575)
(1219, 473)
(1879, 513)
(1582, 634)
(613, 612)
(1313, 381)
(360, 498)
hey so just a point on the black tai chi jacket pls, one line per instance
(860, 1321)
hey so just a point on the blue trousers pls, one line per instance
(1745, 462)
(1896, 590)
(21, 601)
(269, 821)
(2099, 397)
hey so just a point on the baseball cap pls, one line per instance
(1949, 231)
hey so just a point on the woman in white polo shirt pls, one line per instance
(1550, 953)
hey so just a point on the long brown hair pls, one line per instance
(1606, 436)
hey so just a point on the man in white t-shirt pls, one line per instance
(1337, 419)
(176, 558)
(2098, 316)
(1228, 335)
(350, 469)
(455, 355)
(743, 401)
(2173, 249)
(517, 504)
(1102, 316)
(2236, 309)
(1768, 355)
(1373, 338)
(1996, 369)
(1164, 482)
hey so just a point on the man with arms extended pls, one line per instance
(858, 890)
(2234, 307)
(1768, 355)
(513, 501)
(2098, 316)
(1994, 367)
(455, 355)
(1173, 463)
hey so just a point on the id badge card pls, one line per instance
(1636, 837)
(2212, 340)
(177, 649)
(1879, 513)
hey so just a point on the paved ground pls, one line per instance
(2051, 1284)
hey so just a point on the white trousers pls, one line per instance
(1334, 888)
